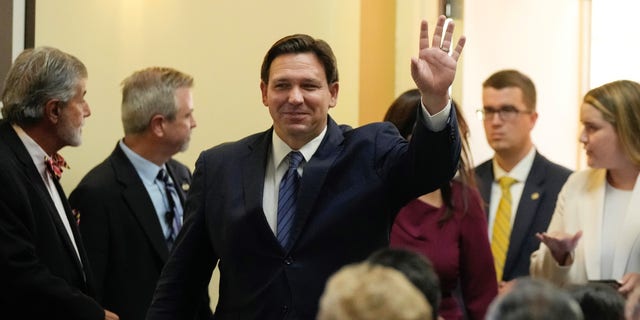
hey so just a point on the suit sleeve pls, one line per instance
(477, 273)
(429, 161)
(25, 280)
(189, 268)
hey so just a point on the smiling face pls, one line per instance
(600, 140)
(69, 128)
(298, 97)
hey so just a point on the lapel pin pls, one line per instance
(535, 196)
(185, 187)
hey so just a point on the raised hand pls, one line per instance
(560, 244)
(434, 69)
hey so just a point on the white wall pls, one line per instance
(615, 49)
(541, 38)
(221, 43)
(19, 9)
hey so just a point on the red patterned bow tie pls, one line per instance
(56, 165)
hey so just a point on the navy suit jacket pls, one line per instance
(41, 276)
(122, 234)
(350, 191)
(534, 211)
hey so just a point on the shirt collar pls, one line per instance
(33, 148)
(147, 170)
(281, 149)
(520, 171)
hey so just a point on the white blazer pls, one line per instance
(580, 207)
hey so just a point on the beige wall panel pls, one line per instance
(221, 43)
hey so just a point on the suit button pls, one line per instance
(288, 261)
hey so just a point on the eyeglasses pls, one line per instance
(506, 113)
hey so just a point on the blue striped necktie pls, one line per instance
(173, 216)
(287, 197)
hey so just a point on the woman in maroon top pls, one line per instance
(448, 226)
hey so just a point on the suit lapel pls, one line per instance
(315, 174)
(137, 199)
(73, 224)
(180, 180)
(253, 166)
(530, 199)
(485, 178)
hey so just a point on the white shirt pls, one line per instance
(616, 206)
(520, 173)
(276, 168)
(38, 155)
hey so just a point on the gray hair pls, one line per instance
(534, 299)
(36, 77)
(150, 92)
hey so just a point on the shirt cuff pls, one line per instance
(439, 120)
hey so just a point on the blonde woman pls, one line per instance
(594, 232)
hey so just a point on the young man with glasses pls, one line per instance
(528, 200)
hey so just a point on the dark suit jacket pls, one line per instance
(122, 234)
(40, 274)
(350, 191)
(534, 212)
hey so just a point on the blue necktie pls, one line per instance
(173, 216)
(287, 196)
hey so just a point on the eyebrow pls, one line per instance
(504, 106)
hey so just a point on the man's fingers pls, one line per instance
(437, 35)
(424, 35)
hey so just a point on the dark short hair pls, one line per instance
(598, 301)
(301, 43)
(513, 78)
(416, 267)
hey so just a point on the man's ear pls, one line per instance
(156, 124)
(52, 110)
(264, 90)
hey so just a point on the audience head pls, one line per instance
(509, 113)
(415, 267)
(158, 101)
(598, 301)
(534, 299)
(371, 292)
(611, 118)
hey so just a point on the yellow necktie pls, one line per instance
(502, 227)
